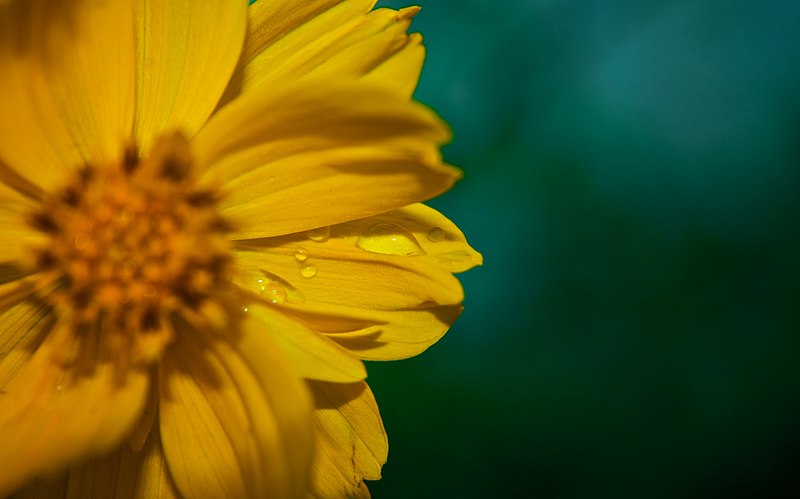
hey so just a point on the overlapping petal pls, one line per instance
(313, 356)
(18, 236)
(381, 287)
(327, 39)
(234, 420)
(67, 90)
(379, 334)
(123, 474)
(185, 55)
(69, 396)
(352, 444)
(23, 327)
(318, 153)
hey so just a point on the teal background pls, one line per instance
(631, 177)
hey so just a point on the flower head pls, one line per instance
(208, 218)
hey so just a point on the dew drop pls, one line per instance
(389, 239)
(301, 255)
(308, 271)
(59, 388)
(435, 235)
(319, 235)
(245, 309)
(276, 293)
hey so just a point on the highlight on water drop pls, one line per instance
(389, 239)
(301, 255)
(435, 235)
(308, 271)
(319, 235)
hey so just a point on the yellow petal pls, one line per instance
(291, 403)
(67, 91)
(17, 236)
(16, 289)
(229, 429)
(429, 235)
(345, 275)
(313, 355)
(186, 53)
(22, 329)
(352, 441)
(65, 405)
(269, 22)
(318, 153)
(401, 71)
(123, 474)
(342, 40)
(379, 334)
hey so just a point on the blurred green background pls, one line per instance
(631, 177)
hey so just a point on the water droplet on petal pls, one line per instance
(308, 271)
(301, 255)
(319, 235)
(276, 293)
(389, 239)
(59, 388)
(245, 309)
(435, 235)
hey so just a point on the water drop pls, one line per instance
(59, 388)
(245, 309)
(308, 271)
(319, 235)
(389, 239)
(301, 255)
(276, 293)
(435, 235)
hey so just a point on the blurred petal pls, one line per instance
(352, 443)
(18, 236)
(229, 429)
(342, 41)
(69, 401)
(67, 91)
(124, 474)
(22, 328)
(186, 53)
(320, 153)
(313, 355)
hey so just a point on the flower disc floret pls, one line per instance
(131, 243)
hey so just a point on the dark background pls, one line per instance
(631, 177)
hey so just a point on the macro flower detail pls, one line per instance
(210, 216)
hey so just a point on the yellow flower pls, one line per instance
(208, 219)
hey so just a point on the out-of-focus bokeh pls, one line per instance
(632, 177)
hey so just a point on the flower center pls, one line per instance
(132, 243)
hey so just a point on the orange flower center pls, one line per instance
(131, 243)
